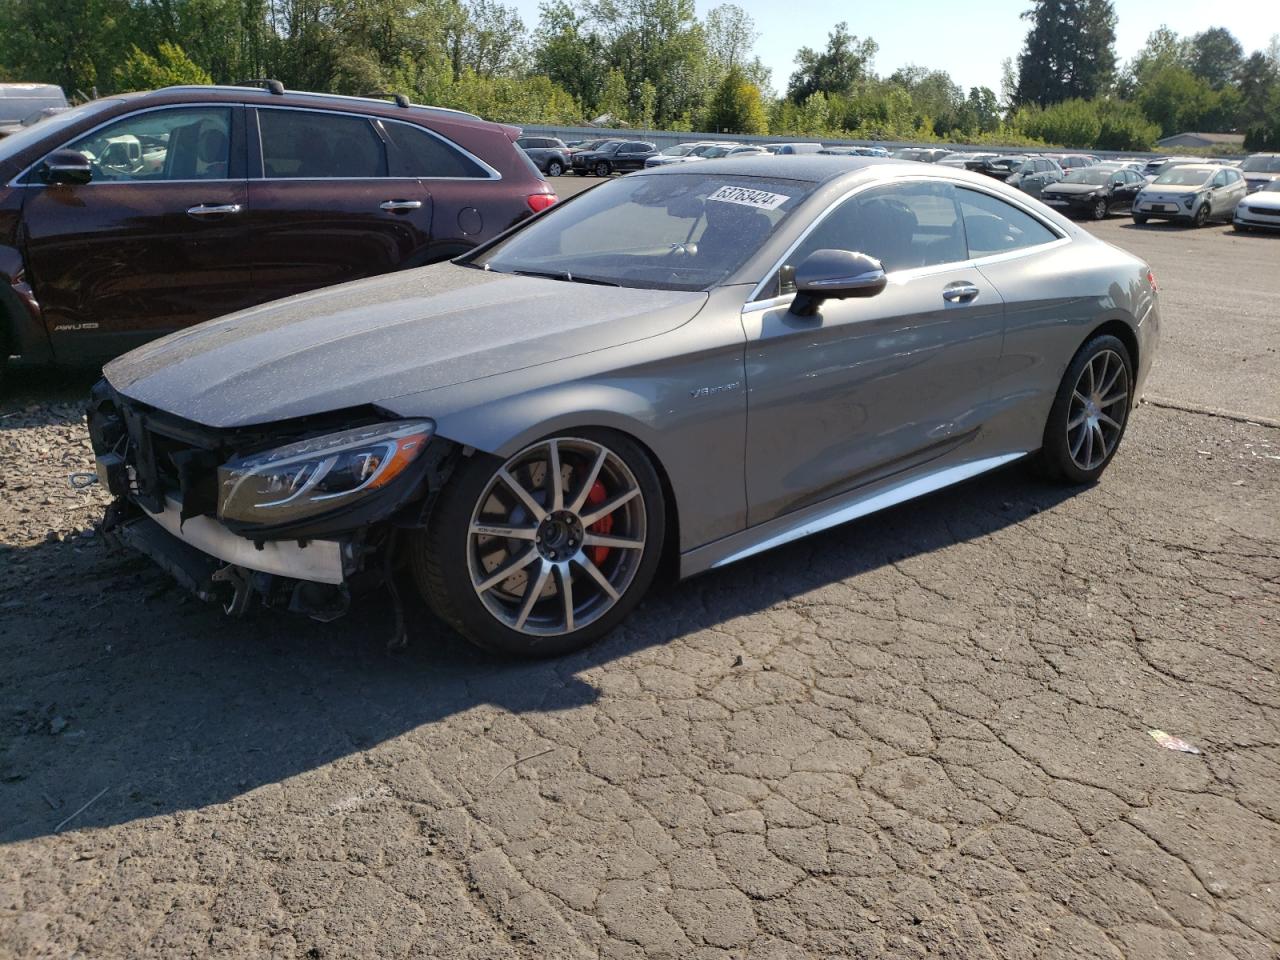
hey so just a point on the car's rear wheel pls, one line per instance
(547, 551)
(555, 168)
(602, 169)
(1089, 412)
(1099, 210)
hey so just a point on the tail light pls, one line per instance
(1151, 279)
(540, 201)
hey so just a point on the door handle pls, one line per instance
(959, 292)
(214, 209)
(396, 205)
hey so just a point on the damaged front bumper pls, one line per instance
(163, 473)
(305, 576)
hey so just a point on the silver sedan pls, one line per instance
(678, 369)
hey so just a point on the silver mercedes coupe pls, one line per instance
(679, 368)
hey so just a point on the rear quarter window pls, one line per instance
(416, 153)
(993, 226)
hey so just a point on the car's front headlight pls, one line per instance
(320, 474)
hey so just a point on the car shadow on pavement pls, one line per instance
(120, 689)
(43, 396)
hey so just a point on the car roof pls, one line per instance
(305, 97)
(814, 167)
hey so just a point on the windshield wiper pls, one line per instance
(566, 276)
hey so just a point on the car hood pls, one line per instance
(1152, 190)
(1263, 200)
(373, 340)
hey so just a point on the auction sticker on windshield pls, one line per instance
(760, 199)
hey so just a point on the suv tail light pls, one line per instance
(540, 201)
(1151, 279)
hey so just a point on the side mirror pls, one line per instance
(66, 166)
(835, 275)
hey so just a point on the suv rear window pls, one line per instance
(310, 145)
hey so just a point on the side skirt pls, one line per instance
(831, 513)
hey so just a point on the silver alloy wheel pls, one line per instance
(555, 168)
(556, 537)
(1097, 413)
(1100, 210)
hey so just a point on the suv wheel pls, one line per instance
(1089, 413)
(1099, 209)
(555, 168)
(602, 168)
(548, 551)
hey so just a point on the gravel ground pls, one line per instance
(927, 734)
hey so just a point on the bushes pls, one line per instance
(1102, 124)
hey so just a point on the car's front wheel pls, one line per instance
(1139, 219)
(1089, 412)
(602, 169)
(555, 168)
(1201, 216)
(547, 551)
(1099, 210)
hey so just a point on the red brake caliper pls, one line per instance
(603, 526)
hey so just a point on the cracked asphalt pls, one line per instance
(925, 734)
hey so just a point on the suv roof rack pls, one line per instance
(274, 87)
(399, 98)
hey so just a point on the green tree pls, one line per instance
(1259, 80)
(1216, 57)
(73, 43)
(838, 69)
(169, 67)
(736, 106)
(1069, 51)
(570, 52)
(1176, 99)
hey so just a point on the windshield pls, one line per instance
(1261, 165)
(679, 150)
(713, 152)
(1273, 187)
(1090, 175)
(686, 231)
(17, 142)
(708, 150)
(1184, 177)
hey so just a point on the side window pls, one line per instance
(993, 226)
(1220, 180)
(416, 153)
(190, 143)
(903, 226)
(308, 145)
(526, 143)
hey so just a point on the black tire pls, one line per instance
(1139, 219)
(603, 169)
(1201, 216)
(1055, 456)
(1099, 210)
(439, 556)
(1239, 228)
(555, 168)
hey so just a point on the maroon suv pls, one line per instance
(129, 217)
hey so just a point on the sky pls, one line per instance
(967, 38)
